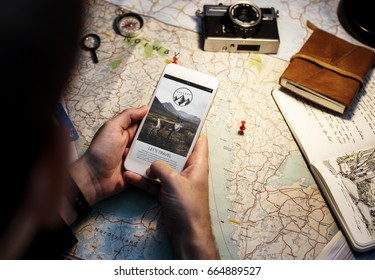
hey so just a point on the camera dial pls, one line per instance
(244, 18)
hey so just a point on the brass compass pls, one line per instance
(127, 24)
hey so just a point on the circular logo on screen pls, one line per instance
(182, 97)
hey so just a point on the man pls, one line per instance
(44, 195)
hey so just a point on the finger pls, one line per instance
(130, 116)
(142, 183)
(199, 154)
(162, 171)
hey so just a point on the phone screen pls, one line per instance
(171, 125)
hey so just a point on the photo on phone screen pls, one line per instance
(175, 117)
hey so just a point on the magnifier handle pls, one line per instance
(94, 57)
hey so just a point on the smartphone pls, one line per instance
(177, 111)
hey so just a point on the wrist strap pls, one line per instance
(79, 202)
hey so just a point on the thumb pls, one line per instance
(162, 171)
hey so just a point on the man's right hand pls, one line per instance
(185, 202)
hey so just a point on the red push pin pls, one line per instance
(175, 59)
(242, 128)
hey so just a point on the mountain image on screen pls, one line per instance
(168, 128)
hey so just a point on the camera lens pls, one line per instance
(244, 18)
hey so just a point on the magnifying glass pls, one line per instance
(91, 43)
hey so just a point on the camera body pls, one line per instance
(240, 27)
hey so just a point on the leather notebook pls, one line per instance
(328, 70)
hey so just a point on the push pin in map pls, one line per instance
(242, 128)
(174, 59)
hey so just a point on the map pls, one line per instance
(264, 202)
(292, 17)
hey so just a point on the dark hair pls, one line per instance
(38, 46)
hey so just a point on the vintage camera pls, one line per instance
(240, 27)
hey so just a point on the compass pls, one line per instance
(128, 24)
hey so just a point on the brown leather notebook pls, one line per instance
(328, 70)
